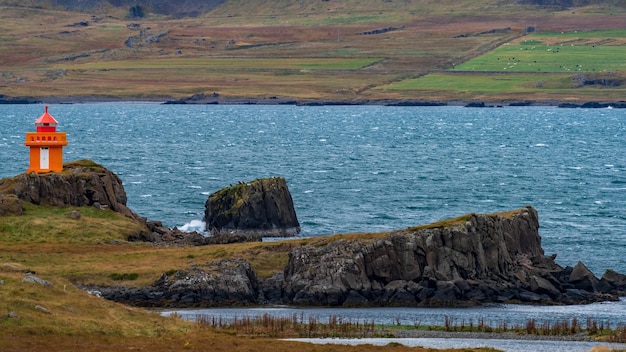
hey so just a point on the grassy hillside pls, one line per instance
(54, 314)
(328, 50)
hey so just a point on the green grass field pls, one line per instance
(537, 57)
(588, 51)
(540, 66)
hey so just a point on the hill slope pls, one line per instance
(279, 51)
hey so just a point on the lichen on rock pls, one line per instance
(252, 210)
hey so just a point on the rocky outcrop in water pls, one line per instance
(252, 210)
(468, 260)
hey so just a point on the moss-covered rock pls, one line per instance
(249, 211)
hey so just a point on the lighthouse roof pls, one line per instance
(46, 118)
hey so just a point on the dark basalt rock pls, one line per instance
(81, 183)
(252, 210)
(464, 261)
(223, 282)
(469, 260)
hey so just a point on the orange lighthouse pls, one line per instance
(46, 145)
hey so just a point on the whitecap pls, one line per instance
(193, 225)
(540, 145)
(136, 182)
(192, 186)
(308, 191)
(205, 193)
(146, 195)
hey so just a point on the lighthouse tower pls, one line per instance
(46, 145)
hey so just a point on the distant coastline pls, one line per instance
(215, 100)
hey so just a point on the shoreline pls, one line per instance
(213, 100)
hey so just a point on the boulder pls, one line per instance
(614, 279)
(583, 279)
(10, 205)
(252, 210)
(223, 282)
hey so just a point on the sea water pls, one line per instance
(361, 168)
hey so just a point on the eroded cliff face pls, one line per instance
(469, 260)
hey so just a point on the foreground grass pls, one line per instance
(56, 315)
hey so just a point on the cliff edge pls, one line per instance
(472, 259)
(81, 183)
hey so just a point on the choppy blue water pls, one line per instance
(361, 168)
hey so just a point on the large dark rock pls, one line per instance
(252, 210)
(467, 260)
(223, 282)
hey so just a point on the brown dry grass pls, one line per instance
(63, 317)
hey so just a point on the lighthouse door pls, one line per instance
(44, 158)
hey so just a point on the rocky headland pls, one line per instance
(242, 213)
(469, 260)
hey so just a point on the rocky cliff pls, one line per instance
(81, 183)
(468, 260)
(474, 258)
(252, 210)
(86, 183)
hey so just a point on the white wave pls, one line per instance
(196, 187)
(146, 195)
(193, 225)
(308, 191)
